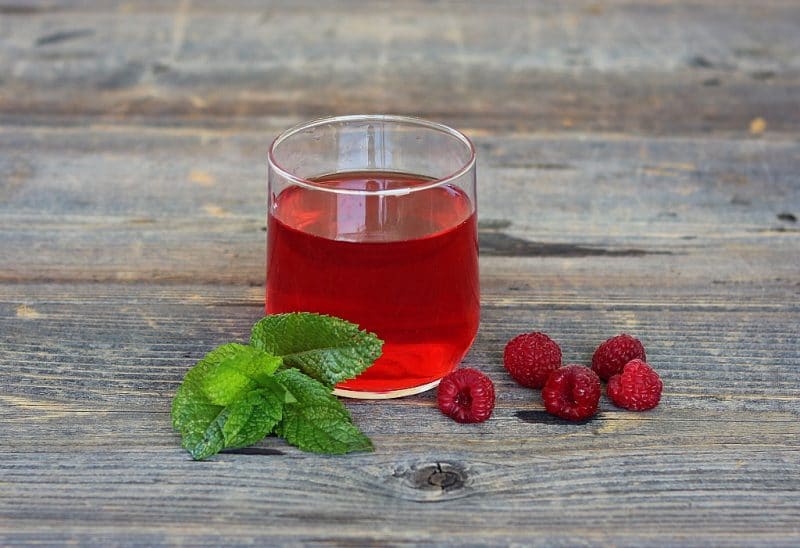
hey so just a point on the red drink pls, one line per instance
(403, 266)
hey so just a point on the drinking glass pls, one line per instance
(372, 218)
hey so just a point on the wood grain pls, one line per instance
(193, 210)
(87, 419)
(638, 172)
(643, 66)
(745, 349)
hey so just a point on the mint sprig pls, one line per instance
(281, 383)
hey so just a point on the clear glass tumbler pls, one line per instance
(373, 219)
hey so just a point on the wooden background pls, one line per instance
(639, 171)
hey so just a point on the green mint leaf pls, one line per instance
(203, 444)
(325, 348)
(207, 410)
(254, 415)
(246, 421)
(236, 374)
(229, 370)
(317, 421)
(192, 410)
(196, 420)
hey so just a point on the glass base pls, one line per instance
(359, 395)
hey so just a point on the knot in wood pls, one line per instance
(443, 476)
(432, 482)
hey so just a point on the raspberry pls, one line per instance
(529, 358)
(612, 355)
(572, 392)
(466, 395)
(637, 388)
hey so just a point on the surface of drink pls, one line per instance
(403, 266)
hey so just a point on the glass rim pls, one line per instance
(409, 120)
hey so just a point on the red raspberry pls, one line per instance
(466, 395)
(612, 355)
(637, 388)
(529, 358)
(572, 392)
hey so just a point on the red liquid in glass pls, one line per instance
(404, 267)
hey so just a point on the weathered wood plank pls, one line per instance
(86, 410)
(713, 355)
(228, 494)
(641, 66)
(641, 211)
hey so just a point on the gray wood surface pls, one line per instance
(639, 171)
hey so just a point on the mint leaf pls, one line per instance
(210, 409)
(317, 421)
(192, 410)
(246, 421)
(253, 416)
(203, 444)
(196, 420)
(229, 370)
(236, 374)
(325, 348)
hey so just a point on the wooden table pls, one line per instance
(639, 171)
